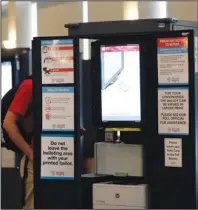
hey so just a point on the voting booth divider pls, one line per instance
(167, 128)
(57, 122)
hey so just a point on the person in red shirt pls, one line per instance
(20, 112)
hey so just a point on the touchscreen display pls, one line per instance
(6, 77)
(120, 83)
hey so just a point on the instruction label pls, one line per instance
(58, 109)
(57, 61)
(173, 152)
(57, 158)
(173, 65)
(173, 111)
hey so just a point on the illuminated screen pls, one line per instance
(120, 79)
(6, 77)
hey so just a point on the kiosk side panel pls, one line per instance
(57, 145)
(196, 111)
(173, 181)
(183, 25)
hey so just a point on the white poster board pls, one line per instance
(173, 152)
(57, 156)
(173, 111)
(173, 64)
(57, 61)
(58, 108)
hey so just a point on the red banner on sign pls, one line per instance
(172, 42)
(54, 48)
(66, 58)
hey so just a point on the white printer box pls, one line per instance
(114, 159)
(115, 196)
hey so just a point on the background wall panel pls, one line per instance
(4, 28)
(185, 10)
(51, 19)
(105, 10)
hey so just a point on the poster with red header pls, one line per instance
(173, 65)
(57, 61)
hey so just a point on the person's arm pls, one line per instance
(10, 125)
(16, 111)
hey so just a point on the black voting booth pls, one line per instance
(169, 187)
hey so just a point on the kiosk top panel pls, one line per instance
(101, 29)
(96, 30)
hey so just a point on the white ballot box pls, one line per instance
(118, 159)
(115, 196)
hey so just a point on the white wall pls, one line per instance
(185, 10)
(51, 20)
(105, 10)
(130, 10)
(4, 31)
(152, 9)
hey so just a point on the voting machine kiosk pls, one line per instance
(147, 150)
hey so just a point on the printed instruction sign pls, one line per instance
(57, 156)
(57, 61)
(58, 108)
(173, 152)
(173, 111)
(173, 65)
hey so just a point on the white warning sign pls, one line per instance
(57, 156)
(173, 152)
(173, 111)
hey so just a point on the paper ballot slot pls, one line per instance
(113, 159)
(112, 196)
